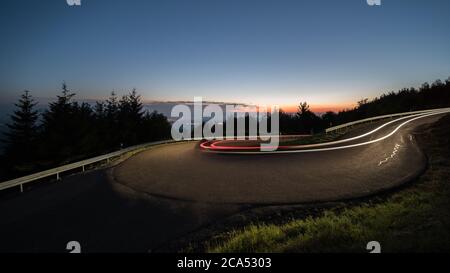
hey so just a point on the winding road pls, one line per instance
(384, 157)
(170, 190)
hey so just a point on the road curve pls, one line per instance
(182, 171)
(120, 209)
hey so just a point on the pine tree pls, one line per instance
(112, 107)
(21, 137)
(59, 127)
(303, 109)
(112, 138)
(130, 118)
(59, 110)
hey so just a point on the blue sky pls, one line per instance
(329, 53)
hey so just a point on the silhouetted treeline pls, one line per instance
(69, 131)
(436, 95)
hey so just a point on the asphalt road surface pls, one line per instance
(171, 190)
(184, 172)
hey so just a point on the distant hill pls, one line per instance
(436, 95)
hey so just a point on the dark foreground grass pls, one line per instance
(415, 219)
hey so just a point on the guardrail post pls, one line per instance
(82, 167)
(21, 187)
(58, 177)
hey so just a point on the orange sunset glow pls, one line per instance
(319, 108)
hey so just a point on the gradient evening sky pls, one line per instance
(330, 53)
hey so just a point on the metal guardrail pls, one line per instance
(331, 129)
(76, 165)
